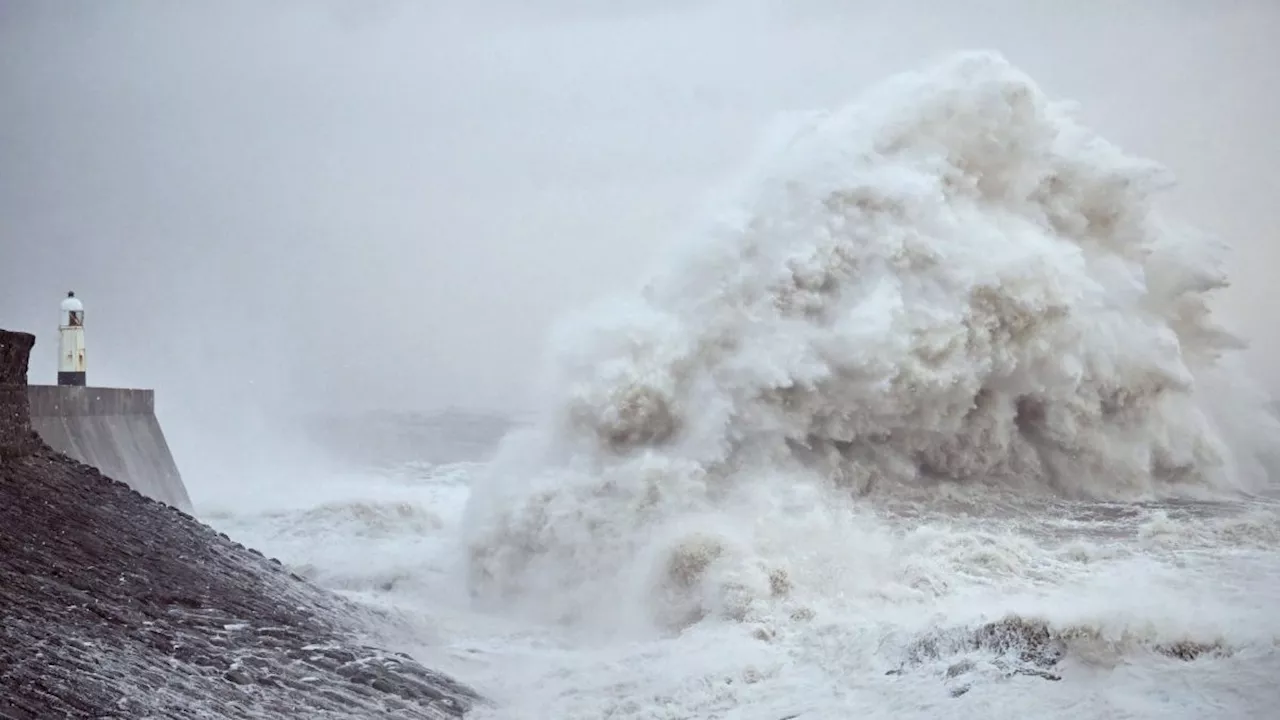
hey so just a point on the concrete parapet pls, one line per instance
(72, 401)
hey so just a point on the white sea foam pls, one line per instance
(949, 281)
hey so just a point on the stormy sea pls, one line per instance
(931, 417)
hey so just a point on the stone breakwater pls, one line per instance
(118, 606)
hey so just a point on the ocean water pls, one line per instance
(938, 360)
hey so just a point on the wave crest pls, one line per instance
(950, 280)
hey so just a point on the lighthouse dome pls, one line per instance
(72, 311)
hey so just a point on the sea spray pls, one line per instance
(949, 282)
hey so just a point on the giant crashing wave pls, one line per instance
(949, 282)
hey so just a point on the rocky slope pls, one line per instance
(118, 606)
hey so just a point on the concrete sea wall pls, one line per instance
(113, 429)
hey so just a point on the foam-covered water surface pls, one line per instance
(932, 420)
(881, 623)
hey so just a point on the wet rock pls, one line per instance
(1030, 641)
(116, 606)
(1019, 646)
(1187, 650)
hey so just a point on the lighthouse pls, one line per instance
(71, 367)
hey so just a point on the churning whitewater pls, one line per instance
(950, 282)
(933, 421)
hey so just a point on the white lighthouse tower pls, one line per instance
(71, 367)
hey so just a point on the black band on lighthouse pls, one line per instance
(71, 378)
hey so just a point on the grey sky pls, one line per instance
(336, 204)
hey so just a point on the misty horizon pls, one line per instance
(341, 206)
